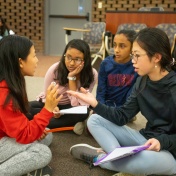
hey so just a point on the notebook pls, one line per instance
(120, 152)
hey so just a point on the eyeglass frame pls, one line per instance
(69, 59)
(136, 56)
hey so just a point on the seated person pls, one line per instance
(117, 76)
(154, 95)
(73, 71)
(23, 144)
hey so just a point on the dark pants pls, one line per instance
(63, 121)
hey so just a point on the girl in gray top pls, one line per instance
(154, 95)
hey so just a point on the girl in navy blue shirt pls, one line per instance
(117, 76)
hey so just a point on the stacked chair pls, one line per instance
(170, 30)
(95, 39)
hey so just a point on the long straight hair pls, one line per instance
(12, 48)
(86, 74)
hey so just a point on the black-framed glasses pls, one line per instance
(76, 60)
(135, 57)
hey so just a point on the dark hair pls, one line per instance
(86, 75)
(154, 40)
(130, 34)
(4, 27)
(12, 48)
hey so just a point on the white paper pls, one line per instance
(74, 110)
(121, 152)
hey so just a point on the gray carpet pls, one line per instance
(62, 162)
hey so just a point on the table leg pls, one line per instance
(67, 33)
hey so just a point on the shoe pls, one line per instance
(85, 153)
(79, 128)
(45, 171)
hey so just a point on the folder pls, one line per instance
(120, 152)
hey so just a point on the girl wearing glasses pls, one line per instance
(117, 76)
(154, 95)
(73, 71)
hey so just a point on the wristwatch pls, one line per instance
(73, 78)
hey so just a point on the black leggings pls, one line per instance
(63, 121)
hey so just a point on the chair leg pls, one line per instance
(95, 58)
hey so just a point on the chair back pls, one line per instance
(95, 35)
(169, 29)
(131, 26)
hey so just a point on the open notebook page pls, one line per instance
(74, 110)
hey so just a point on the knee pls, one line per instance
(47, 140)
(44, 153)
(93, 120)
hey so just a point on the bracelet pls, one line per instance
(71, 78)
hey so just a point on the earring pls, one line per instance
(156, 66)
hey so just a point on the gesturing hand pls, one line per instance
(154, 144)
(84, 96)
(52, 98)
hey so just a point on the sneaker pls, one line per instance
(79, 128)
(45, 171)
(85, 153)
